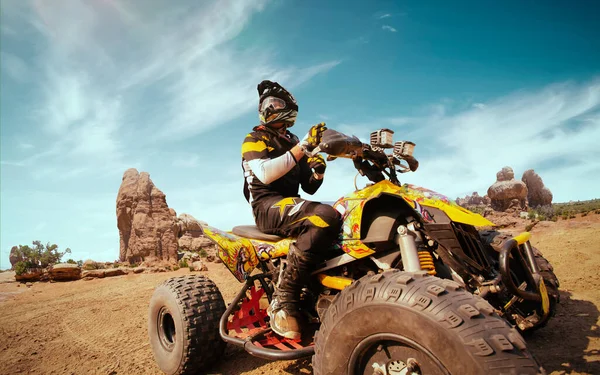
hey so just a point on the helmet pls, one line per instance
(276, 104)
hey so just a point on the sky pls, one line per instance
(91, 88)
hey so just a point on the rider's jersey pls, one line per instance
(265, 154)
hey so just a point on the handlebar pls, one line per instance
(368, 160)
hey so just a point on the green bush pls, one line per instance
(203, 253)
(183, 263)
(22, 267)
(38, 256)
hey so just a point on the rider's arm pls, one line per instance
(310, 181)
(267, 170)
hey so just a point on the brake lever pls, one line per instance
(312, 153)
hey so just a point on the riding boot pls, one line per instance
(284, 308)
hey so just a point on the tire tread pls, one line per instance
(491, 341)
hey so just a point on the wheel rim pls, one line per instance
(394, 353)
(166, 329)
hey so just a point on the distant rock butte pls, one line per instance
(537, 193)
(146, 224)
(149, 230)
(510, 195)
(507, 192)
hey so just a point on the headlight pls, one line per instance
(382, 138)
(404, 148)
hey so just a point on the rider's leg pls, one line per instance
(316, 226)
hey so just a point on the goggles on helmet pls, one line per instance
(273, 101)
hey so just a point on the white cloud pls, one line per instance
(389, 28)
(117, 74)
(554, 130)
(385, 16)
(479, 105)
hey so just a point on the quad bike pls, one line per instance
(411, 287)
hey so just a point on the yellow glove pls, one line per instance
(313, 137)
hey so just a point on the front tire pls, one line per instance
(395, 318)
(183, 324)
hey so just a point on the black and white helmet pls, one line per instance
(276, 104)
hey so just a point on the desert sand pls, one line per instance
(99, 326)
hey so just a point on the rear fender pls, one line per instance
(238, 253)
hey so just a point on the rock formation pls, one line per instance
(65, 272)
(146, 223)
(506, 189)
(537, 193)
(14, 256)
(191, 237)
(474, 200)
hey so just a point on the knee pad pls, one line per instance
(329, 215)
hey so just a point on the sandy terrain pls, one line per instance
(99, 326)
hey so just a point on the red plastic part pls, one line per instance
(249, 315)
(252, 318)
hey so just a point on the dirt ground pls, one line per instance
(99, 326)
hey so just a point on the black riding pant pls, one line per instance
(315, 225)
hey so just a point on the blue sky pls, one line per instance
(91, 88)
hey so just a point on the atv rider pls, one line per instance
(275, 167)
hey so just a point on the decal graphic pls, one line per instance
(296, 208)
(282, 204)
(236, 252)
(424, 213)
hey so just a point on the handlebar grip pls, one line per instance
(338, 144)
(413, 163)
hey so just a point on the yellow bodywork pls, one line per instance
(241, 255)
(351, 207)
(522, 238)
(335, 282)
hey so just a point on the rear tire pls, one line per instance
(183, 324)
(393, 316)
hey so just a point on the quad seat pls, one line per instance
(252, 231)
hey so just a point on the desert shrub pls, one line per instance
(183, 263)
(585, 214)
(531, 215)
(91, 265)
(203, 253)
(22, 267)
(38, 256)
(529, 227)
(175, 268)
(71, 261)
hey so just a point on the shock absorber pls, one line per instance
(426, 260)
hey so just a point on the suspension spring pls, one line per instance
(426, 261)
